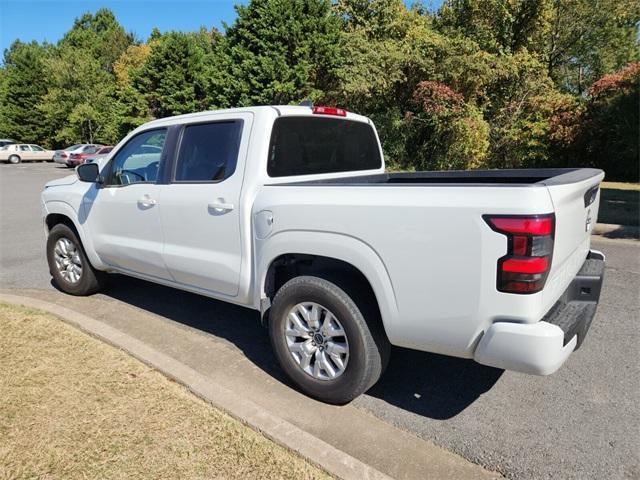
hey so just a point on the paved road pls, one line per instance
(582, 422)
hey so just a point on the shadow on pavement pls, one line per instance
(434, 386)
(623, 231)
(430, 385)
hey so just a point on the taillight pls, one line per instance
(525, 267)
(63, 155)
(339, 112)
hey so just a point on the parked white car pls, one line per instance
(23, 152)
(64, 156)
(288, 210)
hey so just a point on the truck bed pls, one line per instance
(543, 176)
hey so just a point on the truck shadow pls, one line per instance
(430, 385)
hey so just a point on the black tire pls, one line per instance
(90, 281)
(368, 345)
(14, 159)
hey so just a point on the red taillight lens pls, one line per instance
(63, 155)
(525, 267)
(542, 225)
(339, 112)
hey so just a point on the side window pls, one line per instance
(90, 149)
(25, 148)
(36, 148)
(138, 161)
(208, 152)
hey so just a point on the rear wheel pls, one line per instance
(69, 265)
(14, 159)
(323, 342)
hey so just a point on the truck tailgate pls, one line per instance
(576, 198)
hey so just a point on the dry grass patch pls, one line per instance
(621, 185)
(74, 407)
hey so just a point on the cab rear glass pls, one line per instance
(316, 145)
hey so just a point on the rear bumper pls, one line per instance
(541, 348)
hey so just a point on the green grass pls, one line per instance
(620, 203)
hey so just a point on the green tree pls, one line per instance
(447, 133)
(80, 104)
(278, 52)
(577, 40)
(610, 124)
(132, 109)
(100, 36)
(173, 77)
(24, 84)
(588, 39)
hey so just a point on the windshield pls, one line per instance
(314, 145)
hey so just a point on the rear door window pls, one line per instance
(314, 145)
(208, 151)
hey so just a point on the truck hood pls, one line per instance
(68, 180)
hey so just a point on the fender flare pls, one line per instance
(63, 208)
(338, 246)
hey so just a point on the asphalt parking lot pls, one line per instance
(582, 422)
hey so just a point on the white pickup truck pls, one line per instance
(288, 210)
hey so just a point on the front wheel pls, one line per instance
(69, 264)
(14, 159)
(323, 342)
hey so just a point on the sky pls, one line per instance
(49, 19)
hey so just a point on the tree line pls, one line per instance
(474, 84)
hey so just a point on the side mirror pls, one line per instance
(89, 172)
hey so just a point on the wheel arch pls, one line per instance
(290, 254)
(60, 212)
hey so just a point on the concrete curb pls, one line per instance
(315, 450)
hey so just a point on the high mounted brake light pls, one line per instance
(525, 267)
(338, 112)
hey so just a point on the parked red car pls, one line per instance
(79, 158)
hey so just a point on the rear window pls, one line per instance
(314, 145)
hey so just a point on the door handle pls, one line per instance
(146, 201)
(221, 206)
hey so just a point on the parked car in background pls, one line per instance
(22, 152)
(6, 141)
(63, 156)
(78, 158)
(101, 153)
